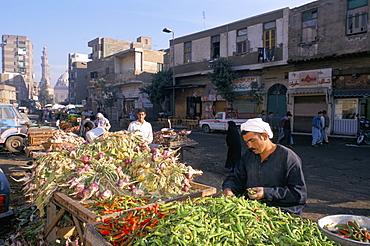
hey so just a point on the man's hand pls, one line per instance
(228, 192)
(258, 195)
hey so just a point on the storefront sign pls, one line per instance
(317, 78)
(244, 84)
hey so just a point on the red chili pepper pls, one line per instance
(104, 232)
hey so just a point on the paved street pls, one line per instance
(337, 174)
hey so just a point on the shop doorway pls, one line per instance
(276, 103)
(193, 107)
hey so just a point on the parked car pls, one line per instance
(13, 129)
(5, 211)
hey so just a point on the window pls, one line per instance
(159, 67)
(94, 75)
(269, 35)
(21, 63)
(242, 41)
(187, 52)
(21, 70)
(107, 70)
(22, 51)
(309, 26)
(356, 16)
(21, 42)
(345, 109)
(215, 46)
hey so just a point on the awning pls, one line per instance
(208, 90)
(313, 90)
(351, 93)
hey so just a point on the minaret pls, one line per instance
(45, 76)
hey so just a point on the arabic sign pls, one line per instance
(317, 78)
(244, 84)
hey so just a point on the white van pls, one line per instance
(13, 128)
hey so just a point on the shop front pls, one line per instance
(349, 107)
(308, 93)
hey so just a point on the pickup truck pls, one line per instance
(219, 122)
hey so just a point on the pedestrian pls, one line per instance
(141, 126)
(234, 148)
(326, 131)
(270, 120)
(82, 131)
(273, 172)
(101, 121)
(316, 130)
(281, 130)
(262, 115)
(286, 125)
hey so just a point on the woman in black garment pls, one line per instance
(234, 146)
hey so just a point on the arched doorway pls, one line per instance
(276, 102)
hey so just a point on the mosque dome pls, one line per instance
(63, 79)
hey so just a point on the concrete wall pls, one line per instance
(332, 39)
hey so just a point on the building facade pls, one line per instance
(126, 67)
(77, 75)
(17, 59)
(329, 49)
(258, 50)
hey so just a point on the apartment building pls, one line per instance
(329, 48)
(77, 76)
(258, 49)
(17, 59)
(126, 66)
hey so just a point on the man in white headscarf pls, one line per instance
(268, 172)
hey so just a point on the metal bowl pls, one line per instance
(167, 130)
(332, 220)
(184, 133)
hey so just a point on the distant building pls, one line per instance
(77, 75)
(127, 66)
(61, 88)
(45, 73)
(17, 59)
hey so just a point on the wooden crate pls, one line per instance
(38, 138)
(50, 145)
(179, 144)
(87, 216)
(76, 208)
(93, 238)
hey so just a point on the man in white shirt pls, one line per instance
(141, 127)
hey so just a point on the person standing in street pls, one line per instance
(316, 130)
(287, 128)
(281, 130)
(273, 172)
(326, 127)
(234, 148)
(270, 120)
(262, 115)
(141, 127)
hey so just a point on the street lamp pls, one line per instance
(167, 30)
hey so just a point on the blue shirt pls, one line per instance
(316, 122)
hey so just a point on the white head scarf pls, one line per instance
(257, 125)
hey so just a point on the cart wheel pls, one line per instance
(367, 138)
(206, 129)
(14, 144)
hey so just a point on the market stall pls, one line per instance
(118, 191)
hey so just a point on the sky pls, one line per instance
(66, 26)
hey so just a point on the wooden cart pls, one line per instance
(85, 220)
